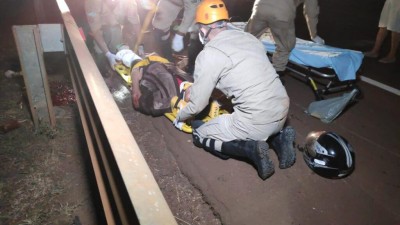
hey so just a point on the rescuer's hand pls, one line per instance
(177, 43)
(178, 124)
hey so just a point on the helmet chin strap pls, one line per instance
(205, 37)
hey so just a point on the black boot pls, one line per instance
(282, 144)
(255, 151)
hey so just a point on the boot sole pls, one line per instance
(290, 135)
(268, 169)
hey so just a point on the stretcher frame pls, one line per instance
(322, 81)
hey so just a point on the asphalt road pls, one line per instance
(370, 195)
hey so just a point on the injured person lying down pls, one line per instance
(153, 80)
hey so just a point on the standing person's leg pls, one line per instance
(113, 37)
(166, 13)
(380, 37)
(390, 20)
(394, 45)
(130, 36)
(385, 20)
(285, 40)
(131, 29)
(189, 15)
(257, 24)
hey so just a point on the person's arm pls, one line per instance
(98, 37)
(136, 76)
(132, 35)
(209, 66)
(93, 14)
(93, 9)
(132, 27)
(111, 58)
(189, 12)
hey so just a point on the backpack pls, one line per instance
(158, 85)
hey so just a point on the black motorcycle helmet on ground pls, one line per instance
(329, 155)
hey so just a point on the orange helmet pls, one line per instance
(210, 11)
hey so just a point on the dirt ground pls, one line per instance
(45, 181)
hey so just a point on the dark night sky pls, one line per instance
(342, 23)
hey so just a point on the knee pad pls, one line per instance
(205, 143)
(197, 140)
(210, 147)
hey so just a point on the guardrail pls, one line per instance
(127, 188)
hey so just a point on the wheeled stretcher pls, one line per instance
(326, 69)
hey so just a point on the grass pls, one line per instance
(32, 192)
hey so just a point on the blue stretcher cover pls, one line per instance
(344, 62)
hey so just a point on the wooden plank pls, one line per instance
(27, 39)
(45, 82)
